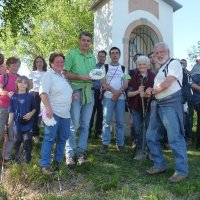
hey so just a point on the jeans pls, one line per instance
(110, 107)
(166, 118)
(35, 128)
(80, 114)
(7, 152)
(25, 137)
(98, 109)
(58, 133)
(138, 121)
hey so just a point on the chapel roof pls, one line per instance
(175, 5)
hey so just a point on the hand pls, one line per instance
(85, 77)
(49, 112)
(75, 96)
(28, 116)
(10, 93)
(148, 91)
(142, 94)
(141, 88)
(116, 95)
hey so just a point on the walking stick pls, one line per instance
(4, 151)
(142, 81)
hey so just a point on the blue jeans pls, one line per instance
(138, 122)
(80, 114)
(110, 107)
(166, 118)
(58, 133)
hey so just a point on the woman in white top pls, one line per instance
(56, 97)
(39, 68)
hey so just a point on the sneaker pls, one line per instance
(121, 148)
(70, 162)
(134, 144)
(176, 178)
(139, 156)
(82, 160)
(104, 148)
(46, 171)
(155, 170)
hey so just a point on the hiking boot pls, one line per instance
(176, 178)
(139, 156)
(81, 159)
(46, 171)
(155, 170)
(55, 166)
(70, 162)
(121, 149)
(104, 148)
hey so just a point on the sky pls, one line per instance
(186, 27)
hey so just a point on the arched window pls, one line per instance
(142, 40)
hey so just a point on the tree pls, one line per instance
(17, 13)
(56, 28)
(194, 52)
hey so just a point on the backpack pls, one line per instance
(5, 79)
(106, 68)
(185, 85)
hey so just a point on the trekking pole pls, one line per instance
(143, 123)
(4, 151)
(60, 186)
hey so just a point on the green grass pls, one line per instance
(107, 176)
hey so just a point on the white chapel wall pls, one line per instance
(103, 28)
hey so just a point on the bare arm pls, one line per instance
(72, 76)
(163, 86)
(10, 118)
(30, 84)
(195, 86)
(4, 92)
(45, 100)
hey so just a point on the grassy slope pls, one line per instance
(107, 176)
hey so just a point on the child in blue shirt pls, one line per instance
(22, 108)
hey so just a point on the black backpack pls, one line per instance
(185, 85)
(106, 68)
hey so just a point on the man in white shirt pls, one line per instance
(167, 113)
(115, 83)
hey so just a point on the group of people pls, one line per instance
(68, 97)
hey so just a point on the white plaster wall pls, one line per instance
(122, 19)
(166, 23)
(103, 28)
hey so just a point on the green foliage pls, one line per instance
(54, 27)
(17, 14)
(194, 52)
(107, 176)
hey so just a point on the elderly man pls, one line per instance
(167, 113)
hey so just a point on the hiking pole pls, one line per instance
(143, 123)
(60, 186)
(4, 151)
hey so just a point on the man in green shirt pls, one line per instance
(78, 63)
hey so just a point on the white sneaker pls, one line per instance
(70, 162)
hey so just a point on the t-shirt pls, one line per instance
(115, 78)
(175, 70)
(59, 93)
(36, 77)
(21, 104)
(11, 86)
(78, 63)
